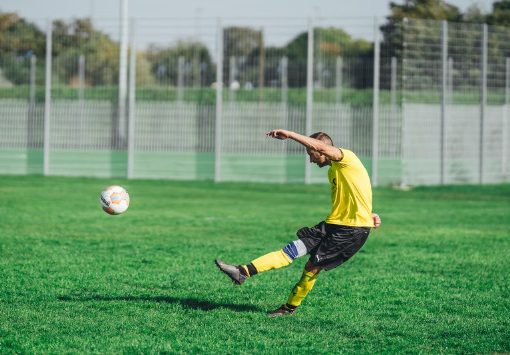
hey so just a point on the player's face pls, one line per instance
(317, 158)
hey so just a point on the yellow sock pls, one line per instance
(302, 288)
(274, 260)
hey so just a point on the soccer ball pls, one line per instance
(114, 200)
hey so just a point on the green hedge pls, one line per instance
(296, 96)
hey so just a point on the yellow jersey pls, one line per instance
(351, 192)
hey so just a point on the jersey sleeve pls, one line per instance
(346, 159)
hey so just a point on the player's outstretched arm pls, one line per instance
(377, 220)
(330, 151)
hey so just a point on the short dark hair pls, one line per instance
(322, 137)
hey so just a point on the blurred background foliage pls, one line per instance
(157, 65)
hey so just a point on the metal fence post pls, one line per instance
(47, 99)
(32, 141)
(375, 103)
(403, 135)
(504, 138)
(31, 104)
(81, 93)
(393, 86)
(33, 61)
(393, 102)
(122, 71)
(284, 64)
(450, 81)
(81, 77)
(132, 102)
(232, 78)
(483, 100)
(180, 78)
(262, 64)
(338, 79)
(444, 99)
(219, 103)
(284, 78)
(309, 94)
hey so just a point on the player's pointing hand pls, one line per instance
(278, 134)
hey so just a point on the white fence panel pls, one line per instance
(173, 140)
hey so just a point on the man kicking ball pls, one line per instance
(331, 242)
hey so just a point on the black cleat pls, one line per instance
(232, 271)
(284, 310)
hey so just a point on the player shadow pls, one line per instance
(189, 303)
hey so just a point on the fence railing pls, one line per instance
(192, 99)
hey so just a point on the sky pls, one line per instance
(165, 20)
(211, 8)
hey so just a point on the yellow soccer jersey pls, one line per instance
(351, 192)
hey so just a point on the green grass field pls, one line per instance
(434, 278)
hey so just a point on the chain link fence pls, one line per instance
(424, 103)
(455, 102)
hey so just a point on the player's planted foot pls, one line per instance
(235, 273)
(283, 310)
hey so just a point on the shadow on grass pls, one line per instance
(184, 302)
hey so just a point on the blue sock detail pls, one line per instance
(291, 250)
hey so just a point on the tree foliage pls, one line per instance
(500, 13)
(19, 40)
(257, 63)
(198, 68)
(329, 44)
(413, 9)
(101, 53)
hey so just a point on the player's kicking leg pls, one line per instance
(274, 260)
(330, 253)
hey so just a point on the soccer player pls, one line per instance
(331, 242)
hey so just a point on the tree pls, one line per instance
(330, 43)
(198, 66)
(19, 40)
(414, 27)
(240, 41)
(413, 9)
(246, 45)
(473, 14)
(500, 13)
(333, 43)
(80, 38)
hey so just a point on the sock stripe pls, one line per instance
(244, 270)
(251, 269)
(291, 250)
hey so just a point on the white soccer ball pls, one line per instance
(114, 200)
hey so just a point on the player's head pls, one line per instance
(322, 137)
(315, 157)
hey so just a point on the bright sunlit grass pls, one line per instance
(434, 278)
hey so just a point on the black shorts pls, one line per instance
(330, 245)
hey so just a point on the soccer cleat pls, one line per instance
(284, 310)
(232, 271)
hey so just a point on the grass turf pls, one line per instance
(433, 278)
